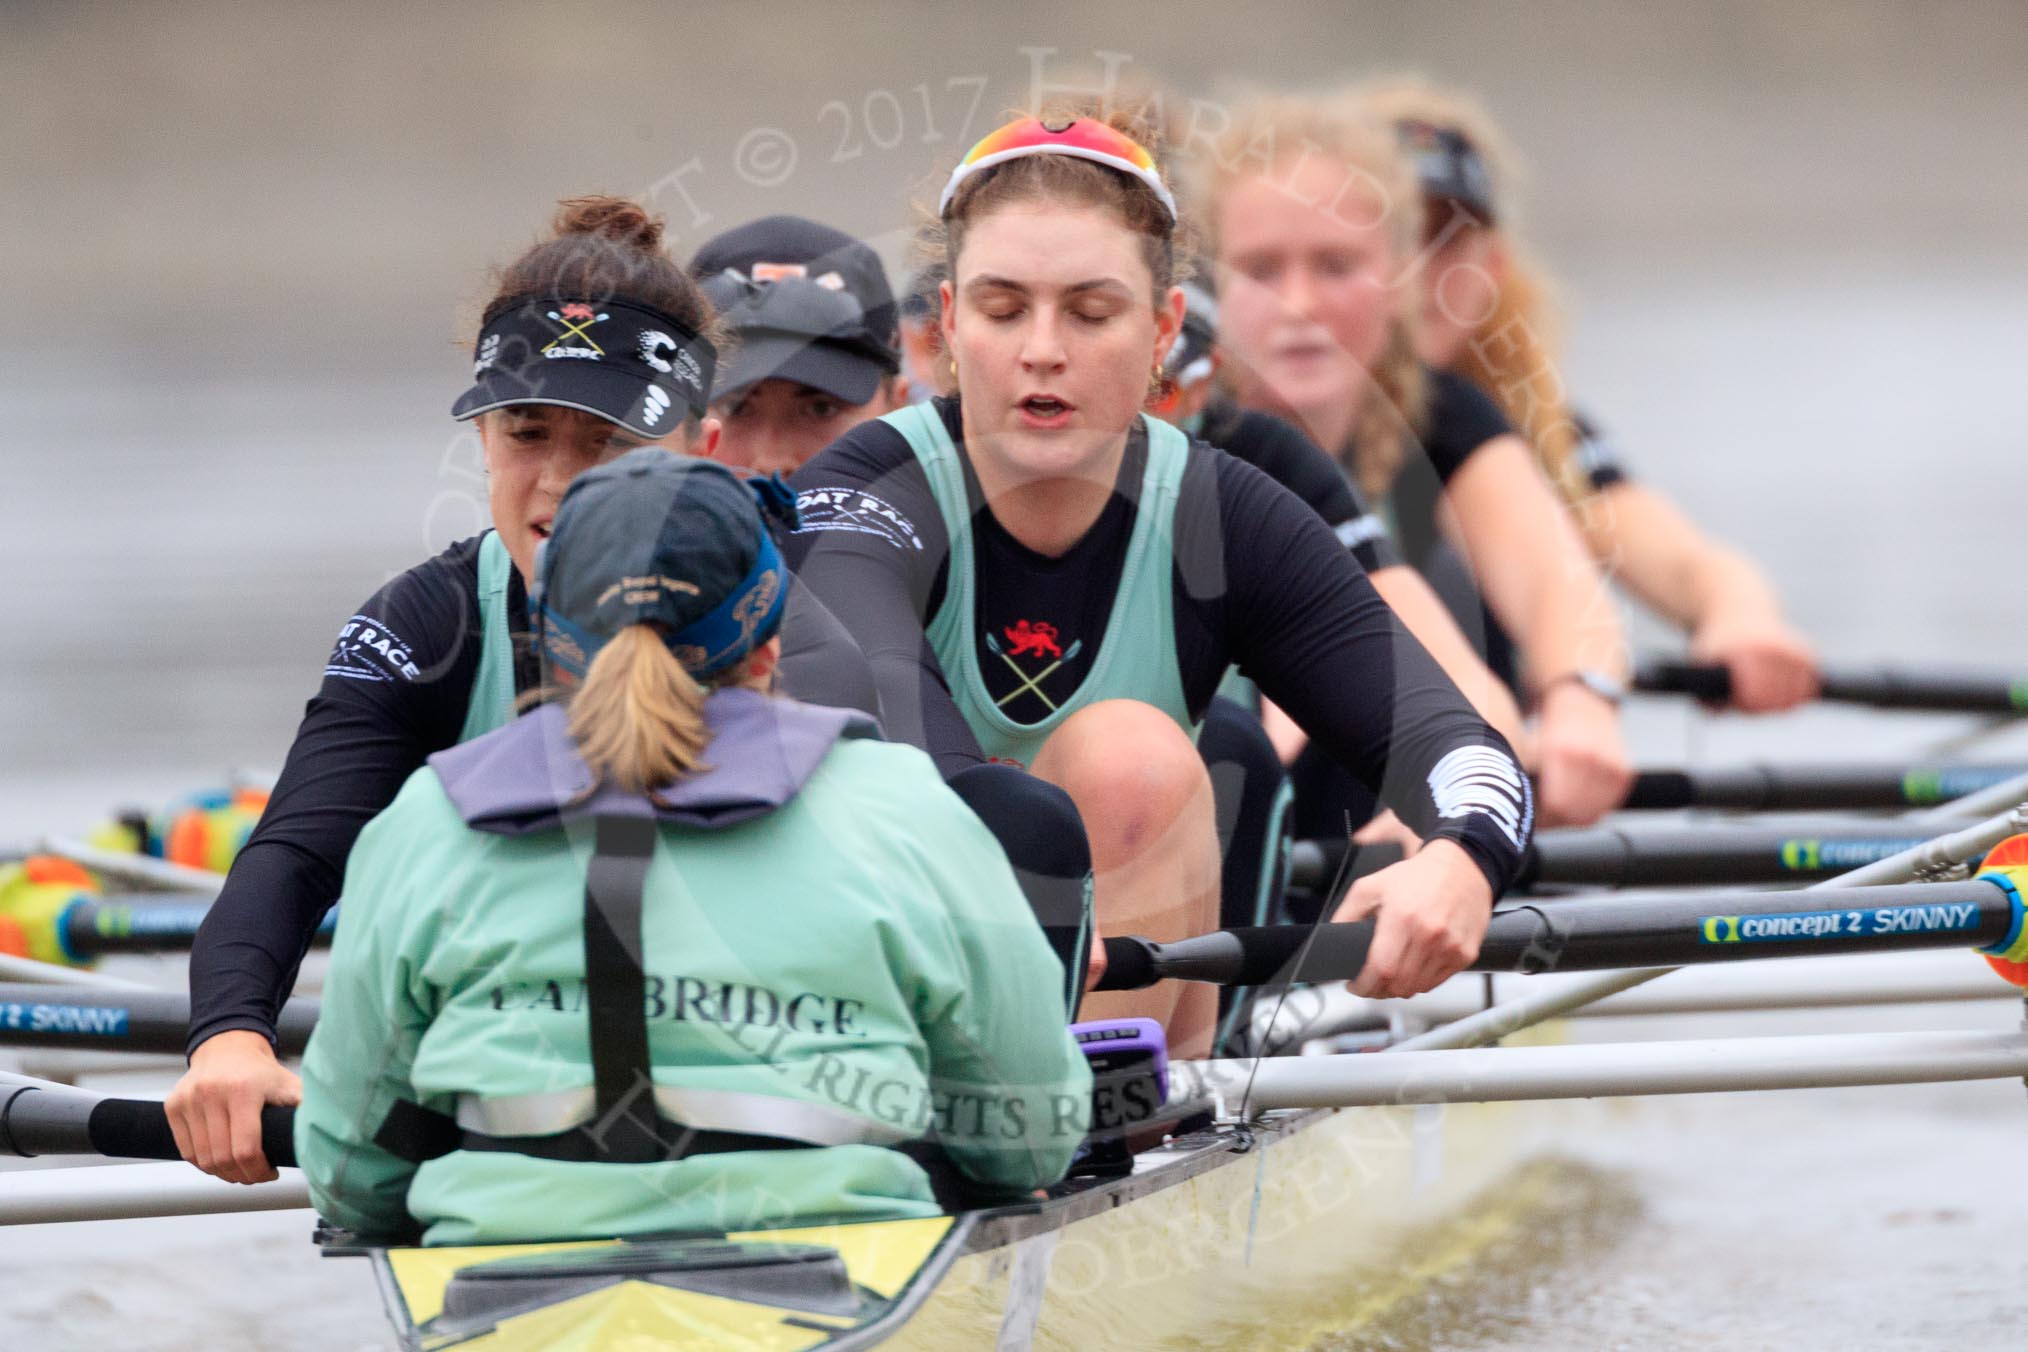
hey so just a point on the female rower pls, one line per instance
(595, 342)
(1040, 574)
(1487, 315)
(1314, 216)
(791, 931)
(1190, 398)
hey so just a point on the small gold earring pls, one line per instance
(954, 368)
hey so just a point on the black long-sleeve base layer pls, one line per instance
(1259, 580)
(396, 689)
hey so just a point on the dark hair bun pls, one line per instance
(603, 247)
(616, 218)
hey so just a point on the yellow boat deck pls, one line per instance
(1213, 1239)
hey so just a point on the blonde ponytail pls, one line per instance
(638, 716)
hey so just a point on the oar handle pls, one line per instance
(1314, 863)
(1962, 692)
(47, 1120)
(1710, 683)
(1249, 956)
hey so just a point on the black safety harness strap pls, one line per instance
(419, 1135)
(626, 1127)
(616, 990)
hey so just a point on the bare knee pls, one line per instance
(1131, 770)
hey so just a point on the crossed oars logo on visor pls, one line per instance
(576, 318)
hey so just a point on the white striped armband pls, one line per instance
(1485, 781)
(1360, 530)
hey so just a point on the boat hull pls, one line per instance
(1216, 1237)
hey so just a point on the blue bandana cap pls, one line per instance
(664, 539)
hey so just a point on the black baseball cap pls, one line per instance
(808, 303)
(654, 537)
(1448, 167)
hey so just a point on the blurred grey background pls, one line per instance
(241, 243)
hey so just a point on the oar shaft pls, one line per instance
(1604, 856)
(1586, 935)
(2001, 796)
(41, 1120)
(1576, 935)
(93, 928)
(1879, 687)
(117, 1019)
(1659, 856)
(1812, 788)
(1944, 852)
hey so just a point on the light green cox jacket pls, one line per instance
(854, 966)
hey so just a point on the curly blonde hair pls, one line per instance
(1266, 131)
(1512, 353)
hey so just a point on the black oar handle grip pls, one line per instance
(1712, 684)
(139, 1129)
(37, 1121)
(1660, 790)
(1251, 956)
(1313, 864)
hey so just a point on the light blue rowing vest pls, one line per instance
(1136, 658)
(492, 704)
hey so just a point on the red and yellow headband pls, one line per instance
(1084, 138)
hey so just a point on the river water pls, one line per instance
(1792, 240)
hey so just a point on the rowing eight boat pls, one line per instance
(1212, 1229)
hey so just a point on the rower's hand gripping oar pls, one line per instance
(40, 1119)
(1985, 912)
(1878, 688)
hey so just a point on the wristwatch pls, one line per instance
(1605, 687)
